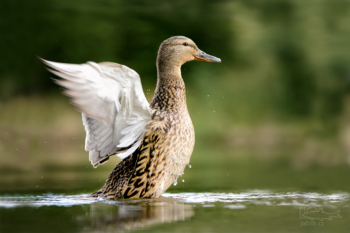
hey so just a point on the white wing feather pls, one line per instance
(114, 108)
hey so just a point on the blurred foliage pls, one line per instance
(294, 54)
(273, 114)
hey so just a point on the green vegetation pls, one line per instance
(273, 114)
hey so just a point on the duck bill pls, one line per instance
(202, 56)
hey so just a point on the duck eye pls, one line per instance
(185, 44)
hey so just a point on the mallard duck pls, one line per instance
(155, 141)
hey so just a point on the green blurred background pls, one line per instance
(274, 114)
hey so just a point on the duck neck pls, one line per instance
(170, 94)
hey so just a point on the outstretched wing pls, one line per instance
(114, 108)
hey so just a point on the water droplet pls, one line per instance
(42, 177)
(183, 180)
(208, 95)
(214, 111)
(189, 166)
(37, 186)
(175, 182)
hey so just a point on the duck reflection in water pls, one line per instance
(133, 215)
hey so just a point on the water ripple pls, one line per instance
(229, 200)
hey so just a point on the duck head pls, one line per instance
(178, 50)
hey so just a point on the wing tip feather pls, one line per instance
(100, 162)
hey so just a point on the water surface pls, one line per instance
(246, 211)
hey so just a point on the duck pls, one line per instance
(153, 140)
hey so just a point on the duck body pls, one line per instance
(162, 156)
(164, 147)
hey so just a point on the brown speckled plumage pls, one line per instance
(169, 139)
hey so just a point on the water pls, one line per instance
(247, 211)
